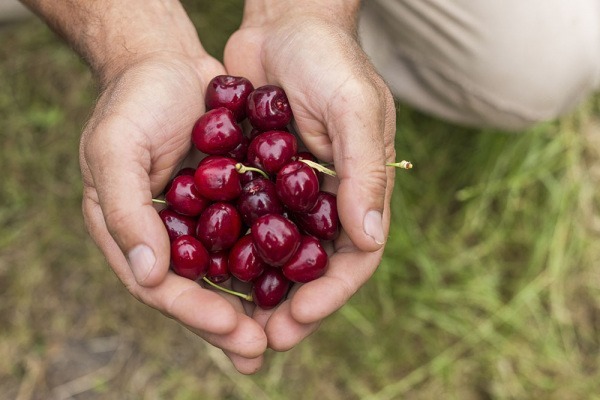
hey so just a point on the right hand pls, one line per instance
(137, 137)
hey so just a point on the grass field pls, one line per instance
(489, 289)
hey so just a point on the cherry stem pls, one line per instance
(241, 168)
(402, 165)
(318, 167)
(246, 297)
(159, 201)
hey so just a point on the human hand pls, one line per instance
(136, 138)
(344, 114)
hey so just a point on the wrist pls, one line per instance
(338, 12)
(112, 35)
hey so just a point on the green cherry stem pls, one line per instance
(246, 297)
(321, 168)
(241, 168)
(159, 201)
(402, 164)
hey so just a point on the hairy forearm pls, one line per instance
(342, 12)
(111, 33)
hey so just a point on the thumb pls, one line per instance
(121, 179)
(359, 156)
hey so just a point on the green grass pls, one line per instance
(489, 288)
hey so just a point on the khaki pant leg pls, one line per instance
(496, 63)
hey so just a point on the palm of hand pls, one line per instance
(327, 82)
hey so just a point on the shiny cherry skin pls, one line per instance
(270, 288)
(184, 198)
(244, 262)
(306, 155)
(183, 171)
(230, 92)
(322, 221)
(271, 150)
(216, 132)
(189, 258)
(276, 238)
(219, 226)
(258, 198)
(239, 153)
(297, 186)
(218, 267)
(177, 225)
(268, 108)
(217, 179)
(249, 176)
(308, 263)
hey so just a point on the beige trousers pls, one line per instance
(497, 63)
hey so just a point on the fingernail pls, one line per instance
(374, 227)
(141, 260)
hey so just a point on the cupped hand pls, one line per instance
(344, 114)
(138, 135)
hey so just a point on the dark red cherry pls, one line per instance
(217, 179)
(218, 270)
(308, 263)
(219, 226)
(270, 288)
(322, 221)
(244, 262)
(268, 108)
(276, 238)
(183, 171)
(230, 92)
(189, 258)
(258, 198)
(216, 132)
(177, 224)
(249, 176)
(271, 150)
(297, 186)
(239, 153)
(184, 198)
(305, 155)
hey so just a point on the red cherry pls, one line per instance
(177, 225)
(308, 263)
(219, 226)
(217, 179)
(218, 269)
(297, 186)
(322, 221)
(268, 108)
(239, 153)
(244, 262)
(271, 150)
(269, 289)
(230, 92)
(183, 171)
(276, 238)
(216, 132)
(184, 198)
(258, 198)
(189, 258)
(305, 155)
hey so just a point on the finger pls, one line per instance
(357, 128)
(284, 331)
(349, 268)
(246, 341)
(246, 366)
(120, 163)
(177, 297)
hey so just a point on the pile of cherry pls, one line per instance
(252, 209)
